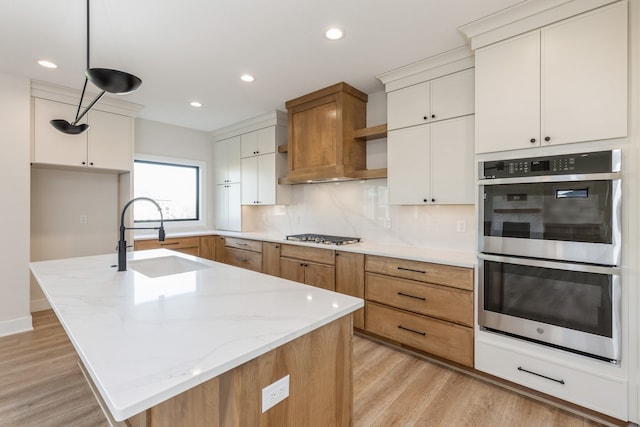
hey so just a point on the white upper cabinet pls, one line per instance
(262, 141)
(106, 145)
(429, 101)
(564, 83)
(228, 209)
(432, 164)
(226, 160)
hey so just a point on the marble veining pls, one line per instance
(144, 340)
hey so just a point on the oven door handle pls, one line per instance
(552, 178)
(533, 262)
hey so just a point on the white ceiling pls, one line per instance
(186, 50)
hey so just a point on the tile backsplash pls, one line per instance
(360, 209)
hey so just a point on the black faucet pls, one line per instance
(122, 244)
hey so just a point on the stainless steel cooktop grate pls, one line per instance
(323, 239)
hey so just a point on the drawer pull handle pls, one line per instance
(402, 294)
(412, 330)
(241, 259)
(242, 244)
(521, 369)
(169, 244)
(412, 270)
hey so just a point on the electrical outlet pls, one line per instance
(297, 219)
(83, 219)
(387, 223)
(275, 393)
(461, 226)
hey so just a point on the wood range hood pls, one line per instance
(328, 136)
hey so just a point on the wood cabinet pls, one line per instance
(187, 245)
(432, 164)
(271, 258)
(422, 305)
(243, 253)
(350, 280)
(312, 266)
(321, 134)
(107, 145)
(438, 99)
(262, 165)
(564, 83)
(212, 247)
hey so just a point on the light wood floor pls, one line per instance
(41, 385)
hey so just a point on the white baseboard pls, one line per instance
(15, 326)
(39, 305)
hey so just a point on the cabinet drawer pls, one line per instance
(446, 340)
(245, 259)
(249, 245)
(171, 243)
(445, 303)
(457, 277)
(603, 393)
(323, 256)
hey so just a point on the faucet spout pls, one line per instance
(122, 243)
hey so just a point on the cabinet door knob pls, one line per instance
(546, 138)
(425, 118)
(532, 140)
(91, 163)
(433, 116)
(433, 200)
(277, 246)
(425, 200)
(84, 163)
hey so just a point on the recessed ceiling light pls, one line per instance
(47, 64)
(247, 78)
(195, 104)
(334, 34)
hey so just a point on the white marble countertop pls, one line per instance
(415, 253)
(145, 340)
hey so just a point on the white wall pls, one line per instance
(14, 193)
(161, 139)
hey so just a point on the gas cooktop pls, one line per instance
(323, 239)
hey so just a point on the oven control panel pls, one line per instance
(567, 164)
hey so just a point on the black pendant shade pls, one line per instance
(107, 80)
(64, 126)
(113, 81)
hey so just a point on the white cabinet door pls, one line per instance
(584, 77)
(267, 180)
(452, 95)
(261, 141)
(409, 106)
(235, 207)
(407, 164)
(452, 161)
(52, 146)
(250, 180)
(248, 144)
(222, 207)
(226, 160)
(109, 145)
(508, 94)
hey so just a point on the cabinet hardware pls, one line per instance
(91, 163)
(412, 270)
(277, 246)
(402, 294)
(433, 116)
(242, 244)
(532, 140)
(425, 118)
(425, 200)
(169, 244)
(433, 200)
(521, 369)
(412, 330)
(546, 138)
(241, 259)
(84, 163)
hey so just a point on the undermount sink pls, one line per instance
(165, 266)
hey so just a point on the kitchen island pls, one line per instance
(194, 342)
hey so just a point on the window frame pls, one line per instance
(201, 191)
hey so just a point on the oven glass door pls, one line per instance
(574, 211)
(569, 305)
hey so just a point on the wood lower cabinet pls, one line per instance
(212, 247)
(271, 258)
(350, 280)
(425, 306)
(311, 266)
(186, 245)
(243, 253)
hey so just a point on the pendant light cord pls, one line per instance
(84, 88)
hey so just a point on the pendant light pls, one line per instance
(108, 80)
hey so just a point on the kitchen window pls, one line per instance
(176, 184)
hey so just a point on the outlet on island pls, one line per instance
(275, 393)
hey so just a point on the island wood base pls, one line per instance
(320, 388)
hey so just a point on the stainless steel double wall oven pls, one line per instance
(549, 243)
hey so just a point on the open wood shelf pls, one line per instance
(283, 148)
(373, 132)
